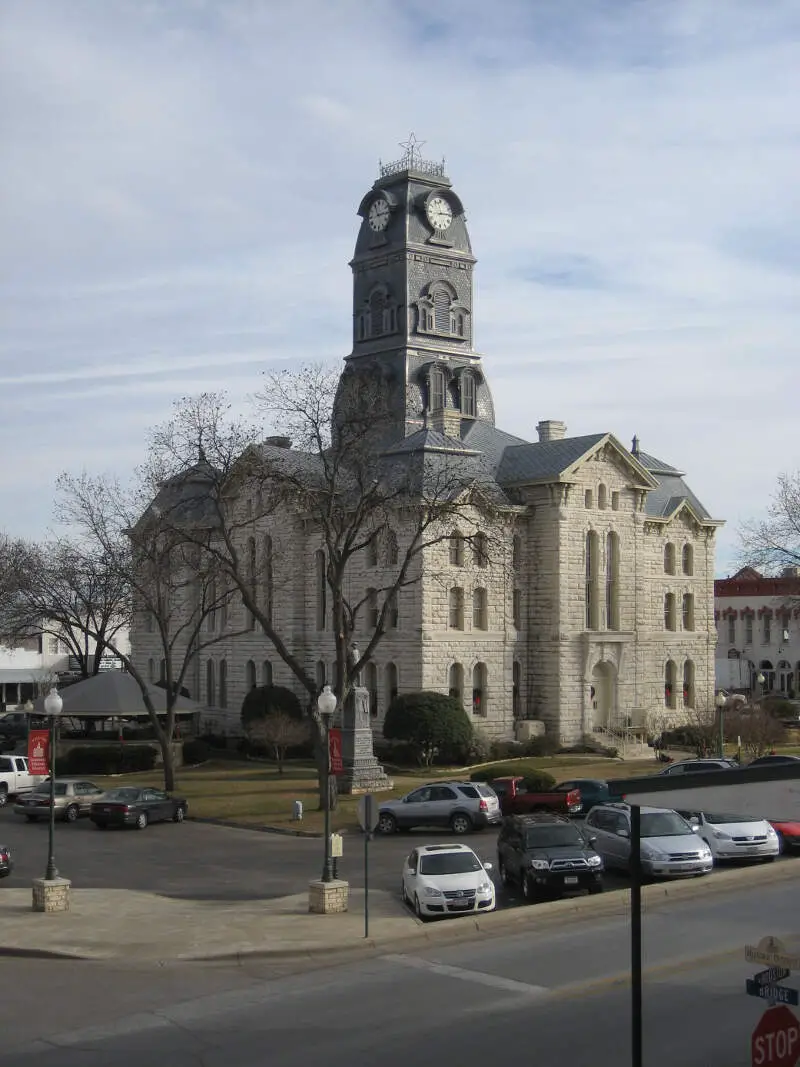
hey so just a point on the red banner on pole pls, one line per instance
(39, 751)
(335, 751)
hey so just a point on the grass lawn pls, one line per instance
(254, 794)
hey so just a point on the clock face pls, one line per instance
(379, 215)
(439, 212)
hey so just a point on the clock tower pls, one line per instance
(412, 302)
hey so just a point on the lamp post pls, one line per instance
(326, 705)
(52, 709)
(720, 702)
(761, 680)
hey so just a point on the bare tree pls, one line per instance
(760, 731)
(328, 479)
(278, 732)
(170, 589)
(773, 543)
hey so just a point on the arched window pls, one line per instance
(377, 306)
(688, 559)
(393, 614)
(372, 551)
(612, 581)
(456, 606)
(688, 684)
(224, 598)
(479, 701)
(151, 670)
(516, 608)
(480, 550)
(669, 558)
(252, 565)
(670, 685)
(456, 549)
(441, 309)
(321, 673)
(210, 592)
(592, 553)
(480, 609)
(372, 609)
(437, 390)
(469, 403)
(371, 682)
(211, 687)
(390, 676)
(516, 551)
(688, 611)
(320, 579)
(268, 577)
(392, 552)
(615, 501)
(602, 497)
(748, 626)
(457, 323)
(455, 682)
(162, 671)
(587, 499)
(266, 673)
(516, 682)
(223, 683)
(250, 673)
(785, 676)
(670, 621)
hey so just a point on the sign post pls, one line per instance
(776, 1039)
(368, 820)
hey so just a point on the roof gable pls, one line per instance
(558, 460)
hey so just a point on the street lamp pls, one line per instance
(326, 705)
(761, 680)
(52, 709)
(720, 702)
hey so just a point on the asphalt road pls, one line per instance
(549, 996)
(200, 861)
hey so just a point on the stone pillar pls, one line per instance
(326, 898)
(51, 894)
(361, 771)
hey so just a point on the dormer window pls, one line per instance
(437, 389)
(440, 312)
(377, 317)
(469, 403)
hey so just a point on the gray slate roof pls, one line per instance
(113, 693)
(657, 466)
(547, 459)
(427, 440)
(671, 492)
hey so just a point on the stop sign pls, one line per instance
(776, 1038)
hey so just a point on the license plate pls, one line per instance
(570, 879)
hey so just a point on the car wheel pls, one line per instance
(528, 889)
(180, 814)
(32, 818)
(594, 889)
(403, 894)
(141, 820)
(3, 795)
(418, 910)
(387, 824)
(71, 814)
(460, 823)
(781, 844)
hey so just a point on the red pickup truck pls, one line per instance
(517, 799)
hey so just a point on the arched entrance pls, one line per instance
(604, 695)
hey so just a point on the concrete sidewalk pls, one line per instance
(122, 924)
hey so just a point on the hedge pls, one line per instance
(535, 778)
(195, 751)
(108, 759)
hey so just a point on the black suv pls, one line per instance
(547, 856)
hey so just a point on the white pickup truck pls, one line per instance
(15, 778)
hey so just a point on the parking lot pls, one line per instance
(201, 861)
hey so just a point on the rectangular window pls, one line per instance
(688, 611)
(767, 630)
(479, 610)
(517, 609)
(456, 609)
(52, 646)
(748, 629)
(393, 613)
(468, 402)
(670, 622)
(731, 630)
(372, 608)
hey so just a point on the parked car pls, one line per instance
(773, 758)
(547, 855)
(695, 766)
(734, 837)
(788, 835)
(446, 880)
(592, 790)
(15, 778)
(131, 806)
(669, 846)
(517, 799)
(6, 862)
(73, 797)
(463, 806)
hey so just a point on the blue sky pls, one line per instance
(180, 180)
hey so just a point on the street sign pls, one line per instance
(773, 953)
(335, 751)
(771, 975)
(776, 1039)
(781, 994)
(367, 813)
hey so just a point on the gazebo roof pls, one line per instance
(113, 693)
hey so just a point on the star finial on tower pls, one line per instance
(413, 149)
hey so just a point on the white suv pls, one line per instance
(447, 880)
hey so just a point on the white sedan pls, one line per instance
(735, 837)
(447, 880)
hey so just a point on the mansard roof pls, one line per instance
(428, 440)
(527, 463)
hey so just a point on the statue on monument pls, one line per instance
(355, 656)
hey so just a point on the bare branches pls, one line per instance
(773, 543)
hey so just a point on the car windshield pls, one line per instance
(44, 790)
(664, 824)
(123, 794)
(554, 837)
(716, 818)
(449, 863)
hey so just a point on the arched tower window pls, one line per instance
(441, 309)
(437, 389)
(377, 305)
(469, 402)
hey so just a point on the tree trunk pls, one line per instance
(321, 756)
(165, 744)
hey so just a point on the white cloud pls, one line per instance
(178, 208)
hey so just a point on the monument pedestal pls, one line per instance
(361, 772)
(325, 898)
(51, 894)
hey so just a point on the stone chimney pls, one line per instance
(279, 442)
(447, 421)
(551, 430)
(635, 446)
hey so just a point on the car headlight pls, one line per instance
(430, 891)
(705, 852)
(485, 887)
(721, 835)
(540, 865)
(594, 861)
(771, 831)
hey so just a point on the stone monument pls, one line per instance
(361, 772)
